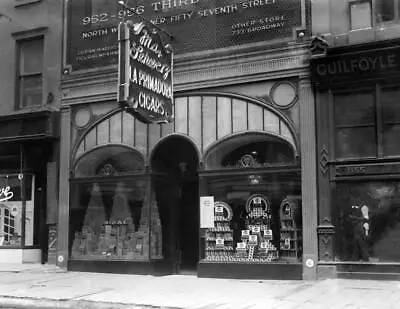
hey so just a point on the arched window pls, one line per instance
(112, 160)
(250, 150)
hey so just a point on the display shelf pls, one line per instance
(219, 239)
(290, 228)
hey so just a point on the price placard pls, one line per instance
(219, 209)
(245, 233)
(219, 242)
(253, 239)
(241, 246)
(264, 245)
(256, 229)
(268, 234)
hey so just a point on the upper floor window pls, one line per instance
(387, 10)
(30, 73)
(367, 123)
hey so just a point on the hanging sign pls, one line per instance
(144, 73)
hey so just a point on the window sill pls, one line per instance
(21, 3)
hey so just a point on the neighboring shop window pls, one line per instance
(109, 220)
(11, 210)
(257, 218)
(30, 72)
(367, 127)
(387, 10)
(367, 219)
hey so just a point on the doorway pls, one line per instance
(175, 162)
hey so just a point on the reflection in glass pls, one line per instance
(367, 218)
(355, 142)
(384, 10)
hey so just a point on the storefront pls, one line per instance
(357, 121)
(27, 200)
(135, 194)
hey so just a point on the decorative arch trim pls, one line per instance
(170, 136)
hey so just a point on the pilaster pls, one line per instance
(308, 180)
(63, 209)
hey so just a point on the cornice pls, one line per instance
(100, 85)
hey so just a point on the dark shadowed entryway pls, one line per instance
(175, 162)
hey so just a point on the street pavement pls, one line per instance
(46, 286)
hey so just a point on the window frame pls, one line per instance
(396, 13)
(23, 76)
(379, 125)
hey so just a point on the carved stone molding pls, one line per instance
(324, 160)
(325, 242)
(231, 70)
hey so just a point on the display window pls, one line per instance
(367, 219)
(12, 202)
(112, 213)
(257, 218)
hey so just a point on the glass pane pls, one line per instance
(355, 142)
(31, 56)
(390, 105)
(384, 10)
(256, 218)
(31, 91)
(10, 211)
(391, 145)
(354, 109)
(367, 219)
(110, 161)
(109, 220)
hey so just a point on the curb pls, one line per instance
(31, 303)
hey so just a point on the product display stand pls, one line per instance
(256, 244)
(290, 228)
(219, 239)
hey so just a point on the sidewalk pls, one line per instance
(44, 286)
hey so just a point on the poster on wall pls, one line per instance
(196, 25)
(144, 73)
(206, 212)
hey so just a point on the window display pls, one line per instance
(367, 218)
(254, 227)
(113, 220)
(11, 210)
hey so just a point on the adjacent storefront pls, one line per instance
(26, 168)
(358, 115)
(219, 190)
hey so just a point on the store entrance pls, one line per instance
(176, 162)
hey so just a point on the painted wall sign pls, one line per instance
(365, 64)
(369, 169)
(145, 73)
(6, 194)
(196, 25)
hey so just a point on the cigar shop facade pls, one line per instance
(357, 91)
(225, 188)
